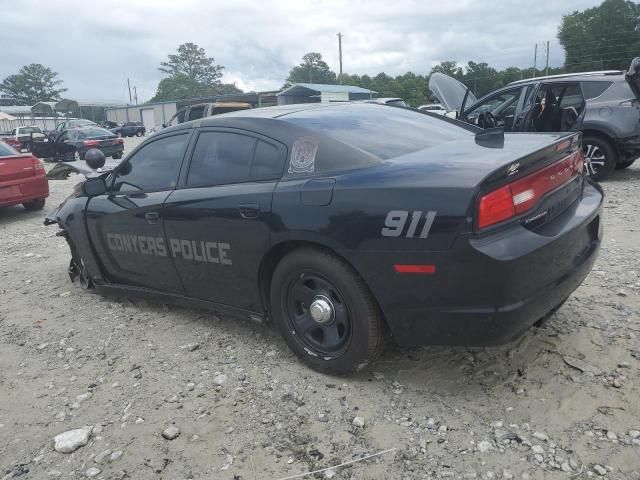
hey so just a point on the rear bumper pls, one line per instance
(108, 151)
(489, 291)
(23, 190)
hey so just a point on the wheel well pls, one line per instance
(602, 136)
(278, 252)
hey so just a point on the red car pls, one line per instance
(22, 179)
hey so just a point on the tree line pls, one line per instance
(598, 38)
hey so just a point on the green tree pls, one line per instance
(603, 37)
(191, 74)
(312, 69)
(481, 78)
(450, 68)
(32, 84)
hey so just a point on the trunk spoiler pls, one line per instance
(491, 137)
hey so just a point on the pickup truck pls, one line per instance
(21, 138)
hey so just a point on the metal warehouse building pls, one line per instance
(320, 92)
(153, 115)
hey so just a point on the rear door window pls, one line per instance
(221, 157)
(593, 89)
(268, 161)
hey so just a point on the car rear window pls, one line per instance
(6, 150)
(594, 89)
(94, 132)
(380, 131)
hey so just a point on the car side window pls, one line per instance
(220, 158)
(502, 106)
(268, 161)
(155, 166)
(593, 89)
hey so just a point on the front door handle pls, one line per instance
(250, 210)
(152, 217)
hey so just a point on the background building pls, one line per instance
(320, 92)
(154, 115)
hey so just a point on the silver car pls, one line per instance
(604, 106)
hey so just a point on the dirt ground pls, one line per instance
(561, 402)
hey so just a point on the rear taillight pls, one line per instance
(91, 143)
(522, 195)
(37, 166)
(120, 140)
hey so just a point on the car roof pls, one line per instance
(571, 76)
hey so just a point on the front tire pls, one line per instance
(600, 157)
(325, 312)
(139, 133)
(34, 205)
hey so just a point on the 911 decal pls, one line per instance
(397, 219)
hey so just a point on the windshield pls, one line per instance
(29, 130)
(6, 150)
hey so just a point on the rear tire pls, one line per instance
(117, 156)
(625, 164)
(600, 157)
(139, 133)
(344, 333)
(34, 205)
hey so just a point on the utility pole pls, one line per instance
(129, 87)
(135, 94)
(340, 53)
(535, 59)
(546, 69)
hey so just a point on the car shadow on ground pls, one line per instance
(18, 213)
(444, 371)
(627, 175)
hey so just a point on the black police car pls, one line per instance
(338, 222)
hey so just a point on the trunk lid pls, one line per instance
(633, 77)
(16, 167)
(451, 93)
(477, 166)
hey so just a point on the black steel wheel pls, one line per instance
(325, 312)
(317, 314)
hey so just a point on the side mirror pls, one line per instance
(92, 187)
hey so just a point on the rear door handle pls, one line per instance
(250, 210)
(152, 217)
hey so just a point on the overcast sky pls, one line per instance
(95, 45)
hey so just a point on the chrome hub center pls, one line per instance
(321, 310)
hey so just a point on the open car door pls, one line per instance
(633, 77)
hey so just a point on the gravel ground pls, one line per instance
(173, 393)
